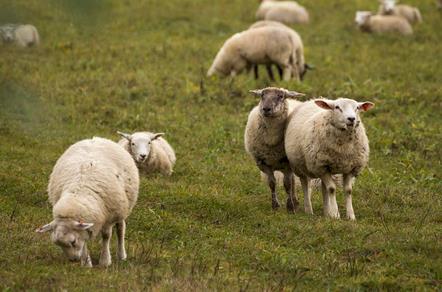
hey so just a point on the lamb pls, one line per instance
(326, 137)
(288, 12)
(264, 45)
(382, 24)
(93, 186)
(150, 151)
(301, 67)
(23, 35)
(389, 7)
(264, 138)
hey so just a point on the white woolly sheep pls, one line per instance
(326, 137)
(301, 67)
(264, 45)
(264, 138)
(23, 35)
(151, 152)
(382, 23)
(93, 186)
(389, 7)
(288, 12)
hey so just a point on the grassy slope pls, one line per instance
(127, 65)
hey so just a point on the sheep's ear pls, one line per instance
(83, 226)
(45, 228)
(365, 106)
(324, 104)
(124, 135)
(309, 67)
(257, 92)
(157, 135)
(293, 94)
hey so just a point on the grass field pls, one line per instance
(132, 65)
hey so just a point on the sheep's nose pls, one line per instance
(143, 156)
(351, 119)
(266, 109)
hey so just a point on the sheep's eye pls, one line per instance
(133, 144)
(73, 242)
(337, 107)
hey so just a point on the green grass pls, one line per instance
(125, 65)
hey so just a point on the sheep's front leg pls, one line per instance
(289, 185)
(270, 72)
(105, 256)
(121, 230)
(85, 259)
(305, 183)
(287, 73)
(271, 181)
(329, 196)
(348, 187)
(255, 70)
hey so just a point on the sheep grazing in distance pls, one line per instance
(326, 137)
(389, 7)
(301, 67)
(288, 12)
(265, 45)
(151, 152)
(22, 35)
(93, 186)
(264, 138)
(382, 23)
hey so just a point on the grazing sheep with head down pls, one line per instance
(326, 137)
(389, 7)
(264, 138)
(368, 22)
(93, 186)
(150, 151)
(23, 35)
(264, 45)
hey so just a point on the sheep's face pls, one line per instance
(70, 235)
(273, 101)
(344, 111)
(362, 17)
(140, 144)
(7, 35)
(389, 5)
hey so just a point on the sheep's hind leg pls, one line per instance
(256, 71)
(121, 230)
(287, 73)
(289, 185)
(270, 72)
(305, 182)
(105, 256)
(329, 196)
(348, 187)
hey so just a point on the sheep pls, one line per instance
(389, 7)
(23, 35)
(301, 67)
(382, 24)
(264, 138)
(325, 137)
(151, 152)
(288, 12)
(93, 186)
(264, 45)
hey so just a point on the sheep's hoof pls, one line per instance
(292, 206)
(351, 217)
(308, 210)
(122, 256)
(275, 205)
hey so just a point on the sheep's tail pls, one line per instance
(418, 15)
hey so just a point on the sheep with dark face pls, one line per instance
(264, 138)
(151, 152)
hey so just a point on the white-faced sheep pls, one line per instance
(301, 67)
(382, 23)
(22, 35)
(264, 138)
(326, 137)
(389, 7)
(265, 45)
(151, 152)
(288, 12)
(93, 186)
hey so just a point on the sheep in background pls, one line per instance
(151, 152)
(389, 7)
(288, 12)
(264, 138)
(265, 45)
(382, 24)
(301, 67)
(326, 137)
(93, 186)
(23, 35)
